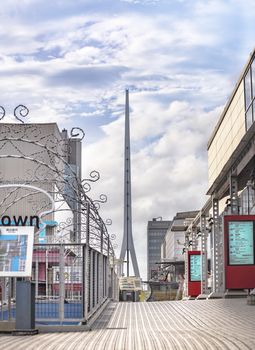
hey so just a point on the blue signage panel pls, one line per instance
(195, 268)
(241, 242)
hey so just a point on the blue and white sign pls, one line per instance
(16, 250)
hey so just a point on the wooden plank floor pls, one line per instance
(210, 325)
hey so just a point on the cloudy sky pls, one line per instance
(71, 61)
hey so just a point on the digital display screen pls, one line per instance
(195, 268)
(240, 243)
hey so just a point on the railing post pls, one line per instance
(62, 284)
(91, 284)
(36, 277)
(107, 274)
(86, 266)
(102, 239)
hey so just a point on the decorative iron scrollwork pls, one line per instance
(21, 111)
(76, 132)
(102, 199)
(2, 112)
(47, 156)
(94, 176)
(113, 237)
(108, 222)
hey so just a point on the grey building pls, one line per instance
(174, 242)
(172, 247)
(156, 231)
(42, 156)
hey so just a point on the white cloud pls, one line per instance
(73, 69)
(168, 175)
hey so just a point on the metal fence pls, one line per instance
(71, 283)
(72, 279)
(7, 298)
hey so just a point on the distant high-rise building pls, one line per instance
(156, 231)
(172, 248)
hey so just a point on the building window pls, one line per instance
(253, 78)
(249, 93)
(249, 118)
(247, 86)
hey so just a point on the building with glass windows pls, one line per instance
(231, 139)
(231, 186)
(156, 231)
(174, 241)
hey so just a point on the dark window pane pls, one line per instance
(247, 88)
(253, 78)
(249, 118)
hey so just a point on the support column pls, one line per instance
(204, 262)
(217, 256)
(234, 194)
(185, 289)
(194, 238)
(235, 211)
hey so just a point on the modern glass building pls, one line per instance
(231, 139)
(156, 231)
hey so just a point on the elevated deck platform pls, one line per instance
(205, 324)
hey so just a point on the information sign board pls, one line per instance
(241, 242)
(195, 268)
(239, 251)
(16, 249)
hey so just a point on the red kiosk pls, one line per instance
(194, 273)
(239, 234)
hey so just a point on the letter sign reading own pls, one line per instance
(195, 268)
(240, 243)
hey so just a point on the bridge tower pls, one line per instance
(127, 248)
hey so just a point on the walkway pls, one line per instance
(214, 324)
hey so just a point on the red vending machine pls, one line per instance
(194, 273)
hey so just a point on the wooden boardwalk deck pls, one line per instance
(214, 324)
